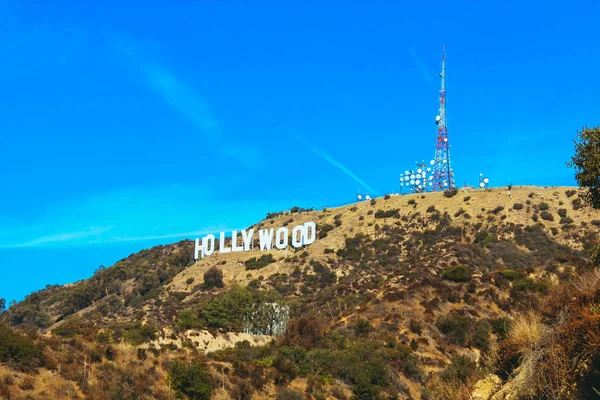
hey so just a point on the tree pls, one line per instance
(586, 163)
(2, 305)
(192, 381)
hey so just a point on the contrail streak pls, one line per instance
(321, 153)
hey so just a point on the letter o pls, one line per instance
(297, 241)
(205, 241)
(281, 238)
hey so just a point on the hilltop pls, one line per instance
(416, 296)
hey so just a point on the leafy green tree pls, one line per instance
(2, 305)
(586, 163)
(190, 381)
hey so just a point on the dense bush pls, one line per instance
(450, 193)
(547, 216)
(258, 263)
(213, 278)
(562, 212)
(518, 206)
(566, 220)
(324, 229)
(19, 350)
(496, 210)
(190, 380)
(395, 213)
(455, 326)
(457, 273)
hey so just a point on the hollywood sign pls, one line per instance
(302, 235)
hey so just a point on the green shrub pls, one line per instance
(431, 209)
(466, 198)
(450, 193)
(543, 206)
(500, 326)
(395, 213)
(461, 369)
(190, 380)
(137, 334)
(362, 327)
(411, 202)
(481, 335)
(213, 278)
(188, 319)
(511, 275)
(566, 220)
(562, 212)
(258, 263)
(455, 326)
(518, 206)
(570, 192)
(189, 281)
(547, 216)
(324, 229)
(457, 273)
(19, 350)
(496, 210)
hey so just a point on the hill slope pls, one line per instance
(411, 296)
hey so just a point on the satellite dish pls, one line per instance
(367, 197)
(486, 180)
(428, 169)
(412, 177)
(445, 161)
(419, 171)
(438, 118)
(445, 183)
(412, 182)
(445, 139)
(406, 172)
(431, 162)
(418, 181)
(481, 184)
(359, 197)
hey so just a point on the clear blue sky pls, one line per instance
(130, 123)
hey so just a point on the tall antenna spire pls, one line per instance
(442, 175)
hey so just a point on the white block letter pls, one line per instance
(199, 249)
(247, 238)
(205, 241)
(309, 238)
(266, 239)
(281, 238)
(298, 234)
(234, 246)
(222, 248)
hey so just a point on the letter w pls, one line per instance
(266, 238)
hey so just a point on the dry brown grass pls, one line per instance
(527, 329)
(438, 389)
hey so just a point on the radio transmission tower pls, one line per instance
(442, 176)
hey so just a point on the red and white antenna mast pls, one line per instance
(442, 177)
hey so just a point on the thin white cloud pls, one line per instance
(187, 235)
(185, 100)
(318, 151)
(321, 153)
(182, 98)
(422, 67)
(62, 237)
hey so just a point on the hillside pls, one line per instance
(433, 296)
